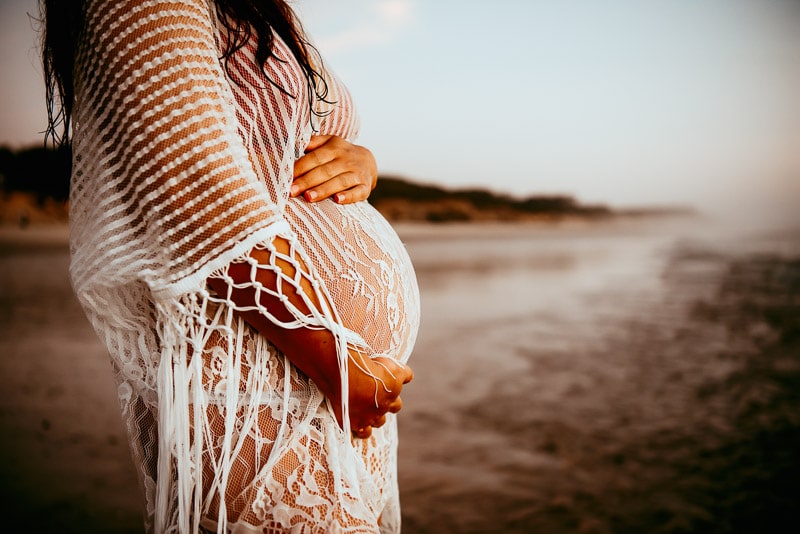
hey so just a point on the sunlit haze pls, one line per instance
(613, 101)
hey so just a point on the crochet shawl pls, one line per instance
(182, 165)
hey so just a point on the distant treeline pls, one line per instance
(390, 187)
(41, 171)
(437, 204)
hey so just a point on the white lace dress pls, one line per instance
(182, 165)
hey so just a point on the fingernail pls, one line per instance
(294, 190)
(310, 195)
(338, 198)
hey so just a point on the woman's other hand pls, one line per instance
(335, 168)
(371, 398)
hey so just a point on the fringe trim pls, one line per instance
(185, 326)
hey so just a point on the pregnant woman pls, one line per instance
(258, 339)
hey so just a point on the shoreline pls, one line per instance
(33, 238)
(56, 233)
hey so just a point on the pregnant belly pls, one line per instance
(366, 269)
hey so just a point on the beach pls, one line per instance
(625, 376)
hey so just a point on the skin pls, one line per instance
(335, 168)
(331, 167)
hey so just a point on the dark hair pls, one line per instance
(63, 22)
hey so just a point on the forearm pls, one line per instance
(274, 292)
(311, 349)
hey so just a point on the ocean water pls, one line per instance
(627, 377)
(634, 376)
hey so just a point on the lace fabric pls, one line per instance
(181, 168)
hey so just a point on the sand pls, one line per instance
(67, 467)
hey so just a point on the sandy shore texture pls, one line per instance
(66, 464)
(611, 378)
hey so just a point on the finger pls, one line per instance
(312, 160)
(316, 177)
(401, 372)
(409, 376)
(363, 433)
(354, 194)
(317, 141)
(333, 185)
(379, 422)
(317, 154)
(396, 405)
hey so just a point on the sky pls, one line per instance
(621, 102)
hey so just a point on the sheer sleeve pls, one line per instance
(166, 186)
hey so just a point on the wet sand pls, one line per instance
(66, 464)
(615, 378)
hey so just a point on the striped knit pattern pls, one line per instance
(156, 142)
(183, 165)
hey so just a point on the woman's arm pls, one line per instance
(374, 385)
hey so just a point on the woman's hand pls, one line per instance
(372, 397)
(333, 167)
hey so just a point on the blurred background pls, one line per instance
(635, 372)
